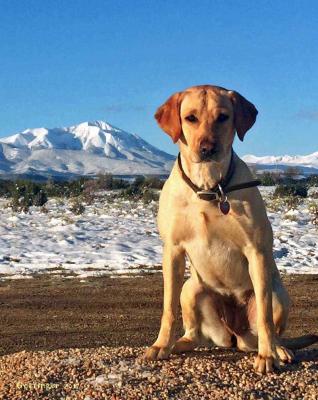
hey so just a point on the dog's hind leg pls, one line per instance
(214, 324)
(190, 294)
(208, 319)
(201, 318)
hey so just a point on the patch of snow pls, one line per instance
(117, 237)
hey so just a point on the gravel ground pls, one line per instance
(69, 339)
(118, 373)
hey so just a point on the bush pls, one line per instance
(26, 194)
(76, 206)
(314, 195)
(120, 184)
(105, 181)
(6, 188)
(139, 182)
(40, 198)
(154, 182)
(313, 209)
(312, 180)
(89, 191)
(292, 202)
(275, 204)
(131, 191)
(292, 172)
(290, 191)
(150, 195)
(267, 179)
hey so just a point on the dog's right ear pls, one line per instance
(168, 116)
(245, 114)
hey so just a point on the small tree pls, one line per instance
(292, 172)
(105, 181)
(26, 194)
(268, 179)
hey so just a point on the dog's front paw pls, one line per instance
(264, 364)
(156, 353)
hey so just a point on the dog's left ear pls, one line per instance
(168, 116)
(244, 114)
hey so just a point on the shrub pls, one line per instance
(313, 209)
(138, 182)
(154, 182)
(105, 181)
(314, 195)
(6, 188)
(89, 191)
(76, 206)
(292, 202)
(40, 198)
(292, 218)
(120, 184)
(44, 210)
(312, 180)
(292, 172)
(149, 195)
(26, 194)
(131, 191)
(275, 204)
(267, 179)
(290, 191)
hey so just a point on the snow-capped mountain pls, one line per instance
(307, 164)
(85, 149)
(310, 160)
(96, 147)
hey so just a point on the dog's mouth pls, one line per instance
(206, 157)
(214, 155)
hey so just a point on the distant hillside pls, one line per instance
(306, 164)
(85, 149)
(96, 147)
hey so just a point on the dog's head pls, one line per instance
(204, 120)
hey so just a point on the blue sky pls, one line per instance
(66, 61)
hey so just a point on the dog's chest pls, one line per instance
(214, 247)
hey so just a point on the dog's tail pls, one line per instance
(298, 342)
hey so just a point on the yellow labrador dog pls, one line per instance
(212, 213)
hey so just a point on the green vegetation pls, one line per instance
(292, 190)
(82, 191)
(269, 178)
(25, 193)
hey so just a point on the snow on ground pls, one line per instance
(116, 236)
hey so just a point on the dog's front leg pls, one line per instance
(173, 272)
(260, 269)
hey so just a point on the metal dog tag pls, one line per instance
(224, 206)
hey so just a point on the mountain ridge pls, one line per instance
(93, 147)
(87, 148)
(310, 160)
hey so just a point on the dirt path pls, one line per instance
(48, 313)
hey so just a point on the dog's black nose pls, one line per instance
(206, 152)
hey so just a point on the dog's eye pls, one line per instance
(191, 118)
(222, 117)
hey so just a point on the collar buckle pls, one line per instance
(208, 195)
